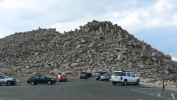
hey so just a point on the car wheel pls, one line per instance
(97, 78)
(32, 83)
(137, 82)
(102, 79)
(125, 82)
(8, 83)
(114, 83)
(49, 82)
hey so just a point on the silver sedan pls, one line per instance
(105, 76)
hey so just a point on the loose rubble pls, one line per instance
(95, 46)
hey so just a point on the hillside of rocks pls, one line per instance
(94, 46)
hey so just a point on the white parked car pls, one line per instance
(124, 78)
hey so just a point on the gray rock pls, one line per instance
(120, 57)
(74, 64)
(46, 66)
(27, 67)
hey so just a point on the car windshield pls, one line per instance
(6, 76)
(106, 74)
(96, 73)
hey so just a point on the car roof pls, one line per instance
(38, 75)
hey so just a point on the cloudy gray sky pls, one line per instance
(152, 21)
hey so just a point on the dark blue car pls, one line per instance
(83, 75)
(41, 79)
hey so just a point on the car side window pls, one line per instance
(1, 77)
(132, 75)
(128, 74)
(42, 77)
(123, 74)
(36, 77)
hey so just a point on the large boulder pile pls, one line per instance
(95, 46)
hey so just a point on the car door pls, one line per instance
(36, 79)
(129, 78)
(42, 79)
(133, 78)
(2, 80)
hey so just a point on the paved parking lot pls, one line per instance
(83, 89)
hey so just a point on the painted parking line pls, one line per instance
(8, 98)
(172, 97)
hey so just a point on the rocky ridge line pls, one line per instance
(95, 46)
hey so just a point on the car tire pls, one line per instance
(102, 79)
(49, 82)
(32, 83)
(114, 83)
(125, 82)
(137, 82)
(8, 83)
(97, 78)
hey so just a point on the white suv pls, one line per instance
(124, 77)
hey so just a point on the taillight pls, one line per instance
(121, 78)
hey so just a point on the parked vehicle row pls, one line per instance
(41, 79)
(117, 77)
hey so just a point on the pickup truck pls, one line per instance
(4, 79)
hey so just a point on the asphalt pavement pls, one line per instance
(84, 89)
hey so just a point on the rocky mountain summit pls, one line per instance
(95, 46)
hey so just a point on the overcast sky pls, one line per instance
(152, 21)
